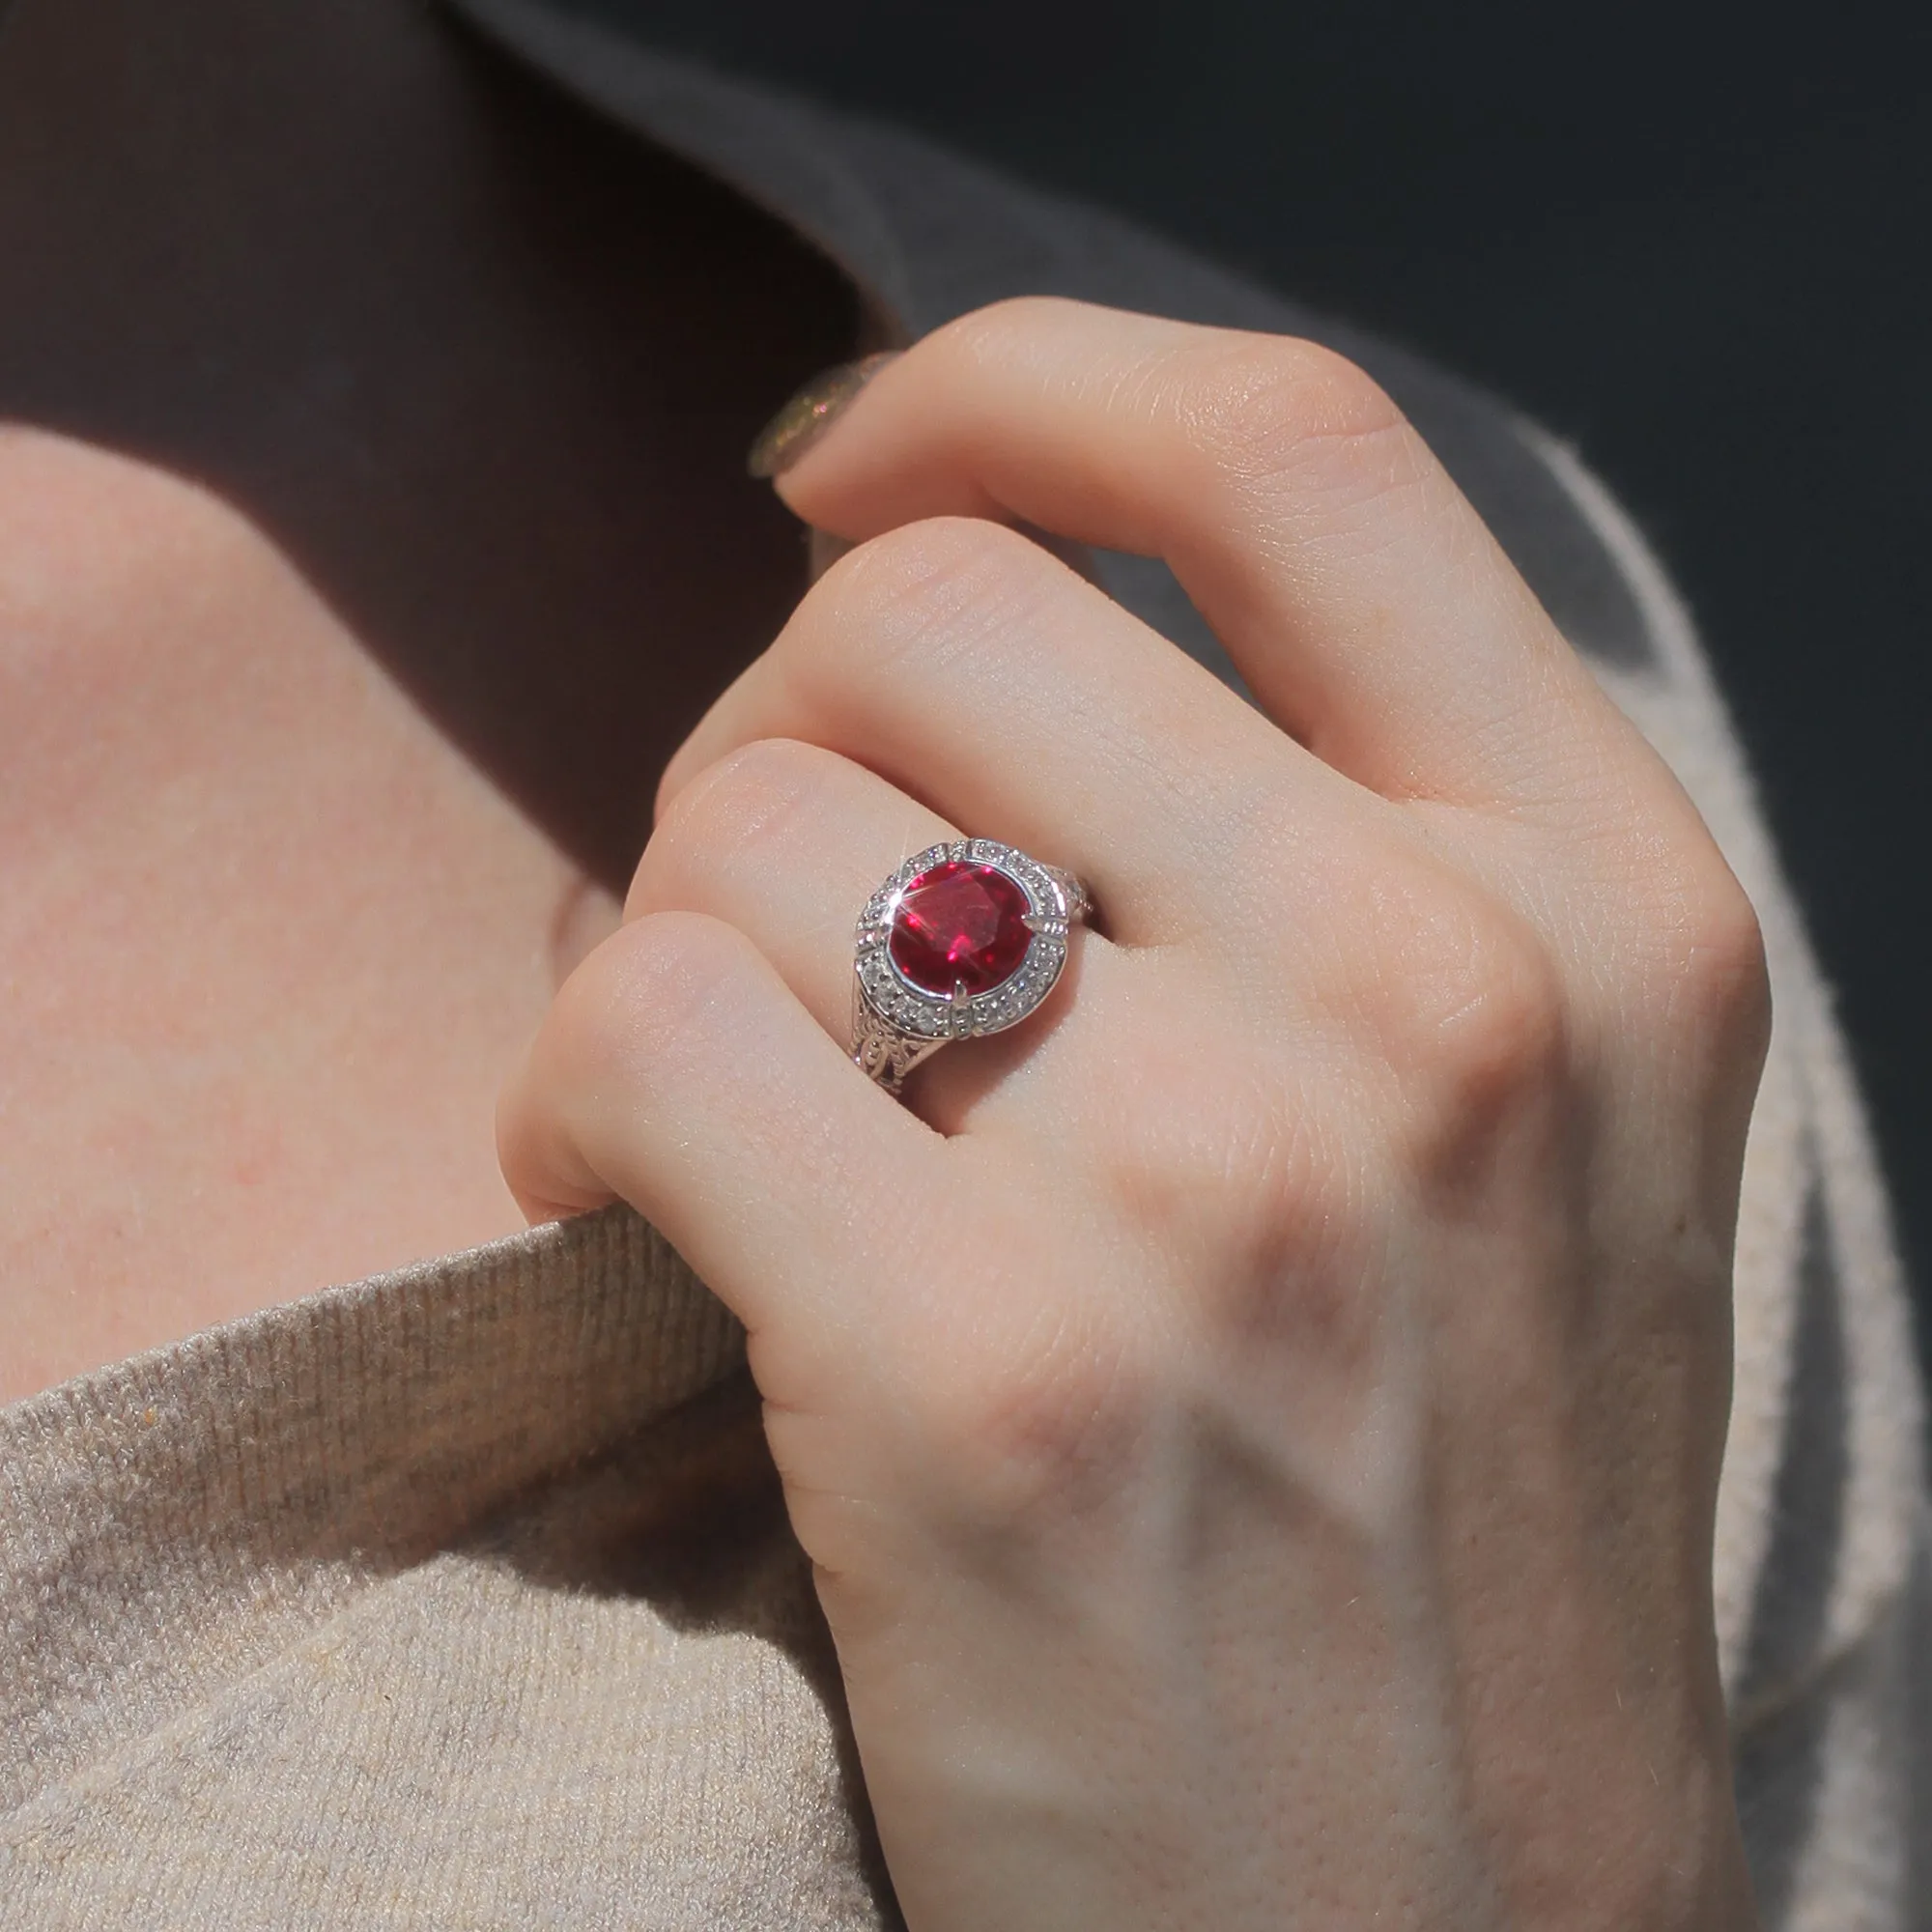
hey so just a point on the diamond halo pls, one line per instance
(896, 1021)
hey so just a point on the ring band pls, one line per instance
(964, 939)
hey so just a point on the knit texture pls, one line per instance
(465, 1595)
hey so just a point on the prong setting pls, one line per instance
(895, 1001)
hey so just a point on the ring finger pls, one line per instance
(787, 842)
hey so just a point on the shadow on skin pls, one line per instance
(484, 370)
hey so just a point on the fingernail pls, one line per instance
(810, 413)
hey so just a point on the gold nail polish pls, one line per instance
(809, 414)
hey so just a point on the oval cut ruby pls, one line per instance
(961, 925)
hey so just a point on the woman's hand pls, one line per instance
(1256, 1424)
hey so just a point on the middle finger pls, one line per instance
(982, 677)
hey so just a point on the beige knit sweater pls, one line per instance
(464, 1596)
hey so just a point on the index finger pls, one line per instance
(1361, 595)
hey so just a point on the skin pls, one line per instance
(1257, 1426)
(340, 456)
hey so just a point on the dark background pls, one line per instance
(1692, 240)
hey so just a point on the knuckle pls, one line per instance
(1294, 1279)
(1267, 411)
(745, 802)
(1015, 1412)
(1042, 1433)
(1475, 1018)
(926, 590)
(1235, 1145)
(992, 332)
(655, 990)
(1716, 978)
(1252, 1172)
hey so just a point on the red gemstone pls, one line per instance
(961, 925)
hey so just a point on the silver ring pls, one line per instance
(964, 939)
